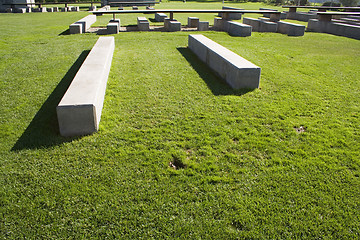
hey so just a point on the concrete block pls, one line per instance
(79, 111)
(193, 22)
(120, 8)
(174, 26)
(55, 9)
(219, 24)
(239, 29)
(64, 9)
(92, 8)
(143, 24)
(49, 9)
(235, 70)
(160, 17)
(313, 25)
(116, 20)
(28, 9)
(76, 28)
(112, 28)
(9, 10)
(291, 29)
(266, 26)
(86, 22)
(42, 9)
(255, 23)
(150, 8)
(203, 26)
(135, 8)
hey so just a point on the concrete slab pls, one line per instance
(143, 24)
(291, 29)
(160, 17)
(79, 111)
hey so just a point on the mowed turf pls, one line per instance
(179, 154)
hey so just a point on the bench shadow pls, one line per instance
(217, 86)
(66, 32)
(43, 130)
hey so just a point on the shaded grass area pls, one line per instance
(179, 154)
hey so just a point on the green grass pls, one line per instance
(244, 171)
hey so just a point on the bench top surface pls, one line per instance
(184, 11)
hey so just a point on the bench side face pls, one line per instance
(235, 70)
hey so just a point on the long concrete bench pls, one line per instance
(143, 24)
(235, 70)
(82, 25)
(291, 29)
(335, 28)
(79, 110)
(239, 29)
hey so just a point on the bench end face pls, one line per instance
(76, 120)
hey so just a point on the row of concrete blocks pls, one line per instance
(79, 111)
(235, 70)
(340, 29)
(82, 25)
(42, 9)
(265, 25)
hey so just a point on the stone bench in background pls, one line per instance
(193, 22)
(143, 24)
(160, 17)
(203, 26)
(231, 16)
(291, 29)
(79, 110)
(82, 25)
(239, 29)
(259, 25)
(235, 70)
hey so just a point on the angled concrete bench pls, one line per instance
(291, 29)
(239, 29)
(79, 110)
(235, 70)
(82, 25)
(143, 24)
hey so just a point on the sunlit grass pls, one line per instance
(179, 154)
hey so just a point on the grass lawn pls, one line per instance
(278, 162)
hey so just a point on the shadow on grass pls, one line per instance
(43, 130)
(66, 32)
(215, 83)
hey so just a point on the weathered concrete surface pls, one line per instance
(291, 29)
(235, 70)
(160, 17)
(79, 111)
(239, 29)
(76, 28)
(203, 26)
(143, 24)
(340, 29)
(112, 28)
(193, 22)
(86, 22)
